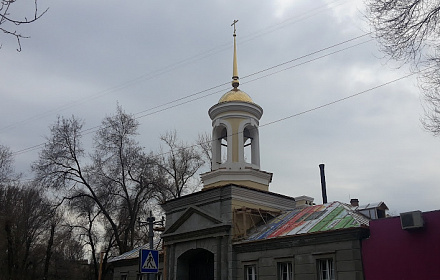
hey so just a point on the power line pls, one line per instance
(163, 107)
(176, 65)
(312, 109)
(25, 150)
(152, 110)
(336, 101)
(293, 20)
(174, 104)
(312, 53)
(285, 118)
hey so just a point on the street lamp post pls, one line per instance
(151, 221)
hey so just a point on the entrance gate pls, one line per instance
(196, 264)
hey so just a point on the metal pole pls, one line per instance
(150, 221)
(323, 184)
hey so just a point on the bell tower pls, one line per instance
(235, 139)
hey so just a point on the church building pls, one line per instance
(235, 228)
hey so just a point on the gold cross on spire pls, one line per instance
(233, 24)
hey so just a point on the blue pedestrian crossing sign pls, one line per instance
(149, 261)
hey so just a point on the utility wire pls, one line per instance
(168, 105)
(171, 104)
(308, 110)
(176, 65)
(336, 101)
(282, 119)
(159, 108)
(278, 120)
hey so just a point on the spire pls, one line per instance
(235, 81)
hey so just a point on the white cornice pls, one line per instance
(226, 175)
(236, 106)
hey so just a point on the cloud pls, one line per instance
(84, 58)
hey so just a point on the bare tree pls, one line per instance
(205, 144)
(6, 165)
(177, 167)
(9, 22)
(110, 188)
(86, 225)
(116, 178)
(409, 31)
(24, 216)
(123, 172)
(49, 249)
(63, 251)
(66, 261)
(30, 231)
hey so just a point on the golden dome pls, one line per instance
(235, 95)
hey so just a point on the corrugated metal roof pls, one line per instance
(135, 252)
(318, 218)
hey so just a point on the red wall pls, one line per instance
(393, 253)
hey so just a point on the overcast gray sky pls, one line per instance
(85, 57)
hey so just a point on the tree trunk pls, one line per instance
(10, 250)
(48, 252)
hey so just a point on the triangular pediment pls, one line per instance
(193, 219)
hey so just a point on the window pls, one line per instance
(250, 272)
(326, 269)
(123, 277)
(285, 271)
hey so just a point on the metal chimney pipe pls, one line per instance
(323, 185)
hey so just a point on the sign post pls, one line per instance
(149, 258)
